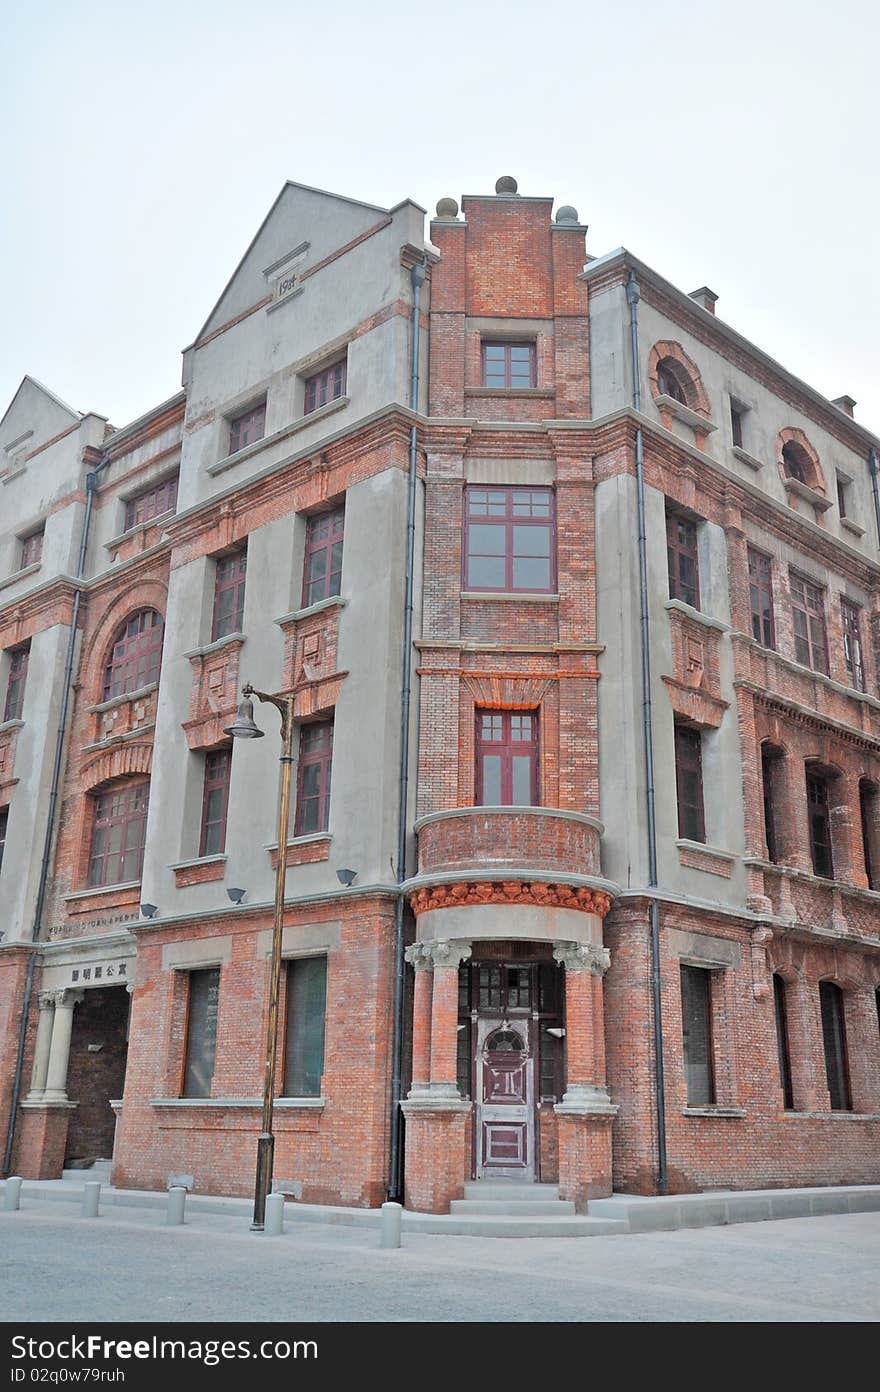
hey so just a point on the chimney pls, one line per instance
(845, 404)
(705, 298)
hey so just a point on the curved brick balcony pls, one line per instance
(492, 840)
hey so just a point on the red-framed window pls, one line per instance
(32, 548)
(116, 855)
(852, 644)
(820, 825)
(313, 778)
(808, 621)
(322, 571)
(834, 1040)
(18, 665)
(229, 581)
(151, 502)
(510, 540)
(507, 753)
(215, 801)
(247, 428)
(136, 654)
(683, 562)
(761, 598)
(689, 783)
(324, 386)
(509, 365)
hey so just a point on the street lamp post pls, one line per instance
(244, 727)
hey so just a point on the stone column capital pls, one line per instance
(579, 957)
(67, 999)
(47, 1000)
(419, 957)
(448, 954)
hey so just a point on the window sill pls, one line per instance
(745, 458)
(13, 475)
(699, 423)
(116, 542)
(126, 893)
(851, 526)
(21, 574)
(289, 1103)
(231, 460)
(815, 673)
(295, 615)
(201, 870)
(7, 725)
(713, 1111)
(510, 597)
(678, 606)
(216, 645)
(517, 393)
(714, 861)
(303, 850)
(109, 740)
(830, 1116)
(809, 495)
(137, 695)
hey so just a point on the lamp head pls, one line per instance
(149, 910)
(346, 877)
(244, 726)
(236, 895)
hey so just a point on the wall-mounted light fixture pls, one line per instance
(346, 877)
(236, 895)
(149, 910)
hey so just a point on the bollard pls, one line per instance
(274, 1221)
(91, 1196)
(12, 1194)
(176, 1205)
(389, 1229)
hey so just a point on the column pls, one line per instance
(585, 1114)
(422, 963)
(447, 958)
(46, 1000)
(59, 1049)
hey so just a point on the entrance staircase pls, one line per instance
(500, 1208)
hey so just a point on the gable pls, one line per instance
(33, 416)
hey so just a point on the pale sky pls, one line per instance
(728, 145)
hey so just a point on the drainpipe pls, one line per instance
(395, 1168)
(632, 299)
(91, 489)
(874, 467)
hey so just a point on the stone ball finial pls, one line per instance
(506, 184)
(447, 208)
(567, 215)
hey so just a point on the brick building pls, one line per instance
(583, 882)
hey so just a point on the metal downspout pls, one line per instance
(632, 298)
(395, 1176)
(874, 467)
(91, 488)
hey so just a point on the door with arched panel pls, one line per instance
(505, 1096)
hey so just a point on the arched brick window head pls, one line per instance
(135, 655)
(672, 373)
(798, 459)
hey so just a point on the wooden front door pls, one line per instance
(505, 1118)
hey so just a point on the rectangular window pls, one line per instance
(201, 1032)
(304, 1034)
(32, 548)
(869, 808)
(509, 365)
(696, 1028)
(769, 766)
(324, 386)
(808, 617)
(834, 1040)
(313, 778)
(510, 540)
(215, 801)
(689, 783)
(18, 665)
(681, 554)
(507, 759)
(761, 598)
(841, 496)
(820, 826)
(322, 573)
(782, 1048)
(150, 503)
(852, 644)
(737, 415)
(4, 822)
(247, 428)
(118, 834)
(229, 579)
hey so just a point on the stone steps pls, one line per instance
(510, 1191)
(519, 1208)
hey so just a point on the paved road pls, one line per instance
(57, 1266)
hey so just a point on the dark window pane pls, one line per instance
(779, 992)
(201, 1032)
(491, 781)
(697, 1035)
(304, 1037)
(834, 1040)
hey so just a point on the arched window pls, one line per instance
(782, 1046)
(135, 655)
(669, 383)
(796, 462)
(869, 808)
